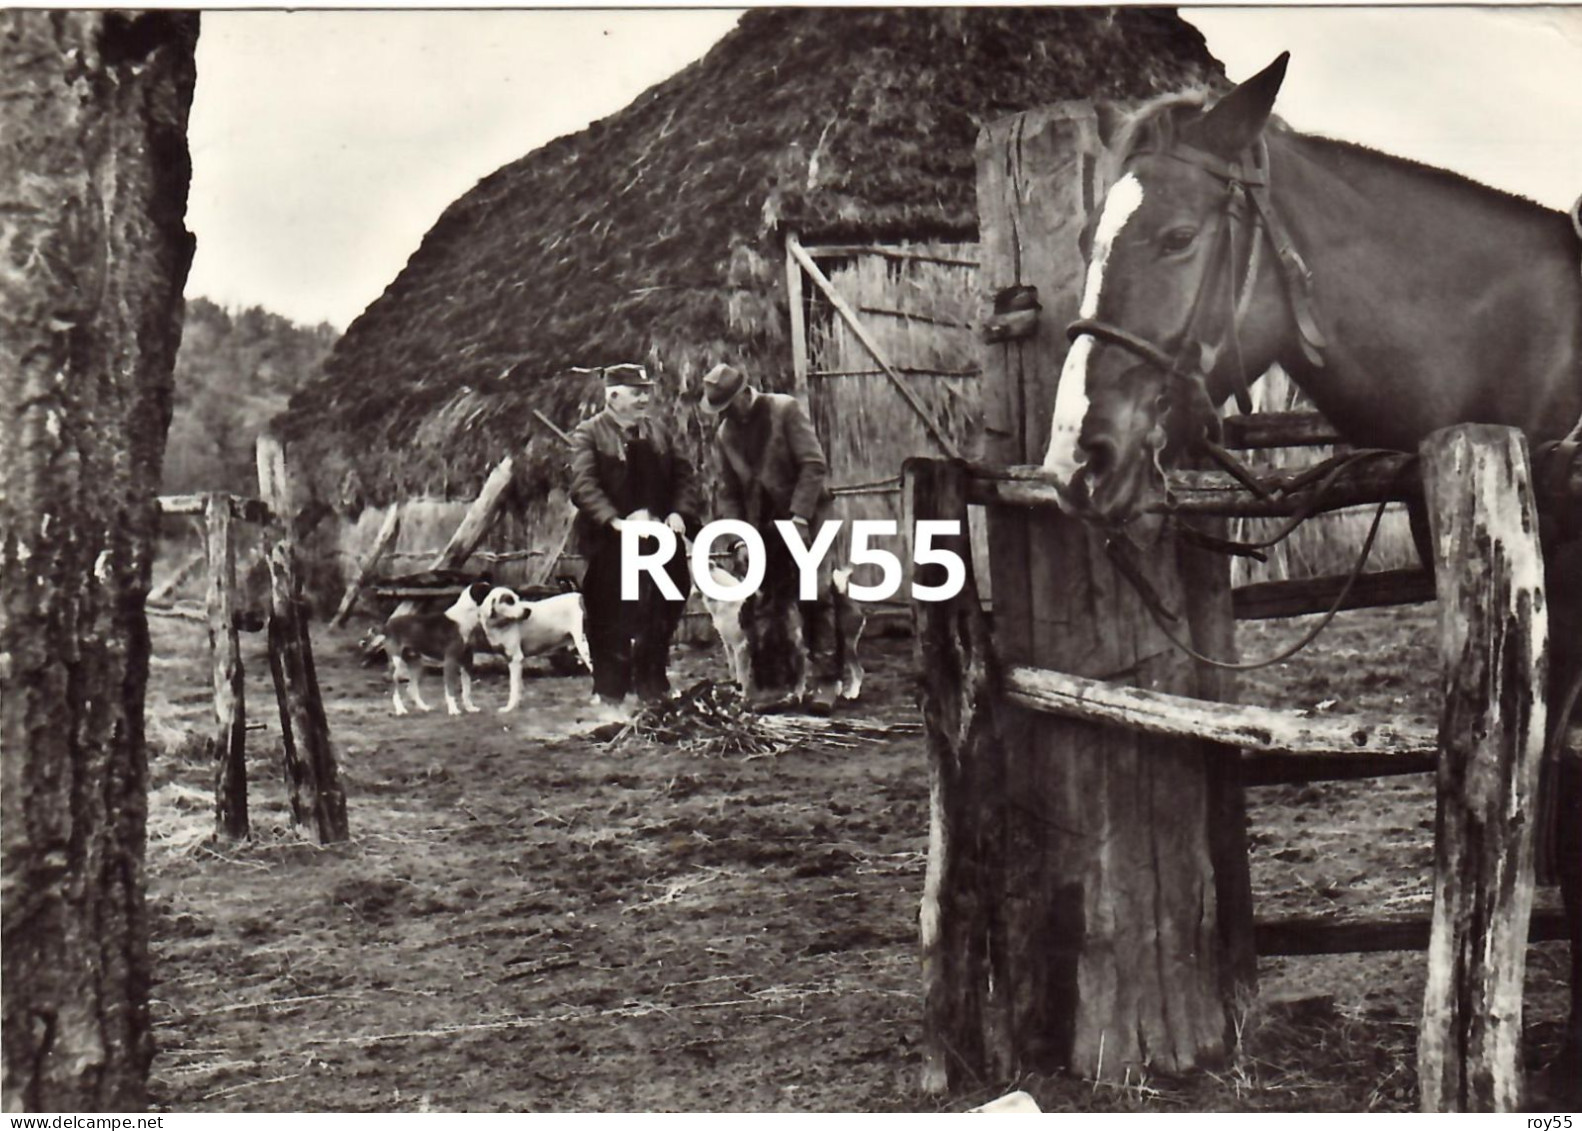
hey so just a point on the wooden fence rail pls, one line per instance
(1475, 482)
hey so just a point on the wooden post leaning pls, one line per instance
(959, 695)
(1493, 633)
(312, 777)
(473, 526)
(230, 713)
(365, 568)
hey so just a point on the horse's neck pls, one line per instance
(1430, 282)
(1420, 220)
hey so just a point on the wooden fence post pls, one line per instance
(312, 777)
(230, 712)
(382, 542)
(959, 697)
(1112, 954)
(1493, 634)
(473, 526)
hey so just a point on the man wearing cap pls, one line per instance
(625, 465)
(771, 466)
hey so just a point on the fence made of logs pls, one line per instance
(1087, 904)
(315, 796)
(1197, 939)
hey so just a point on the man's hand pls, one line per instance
(617, 524)
(676, 523)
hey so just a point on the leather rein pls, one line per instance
(1246, 197)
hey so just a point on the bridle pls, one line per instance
(1246, 197)
(1246, 194)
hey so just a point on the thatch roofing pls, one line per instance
(656, 233)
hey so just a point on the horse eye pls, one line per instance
(1177, 239)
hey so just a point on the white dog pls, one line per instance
(517, 629)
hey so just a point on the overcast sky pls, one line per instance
(325, 144)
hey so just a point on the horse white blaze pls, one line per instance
(1071, 396)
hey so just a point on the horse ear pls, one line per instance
(1234, 122)
(1109, 117)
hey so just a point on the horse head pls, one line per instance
(1172, 315)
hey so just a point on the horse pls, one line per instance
(1399, 297)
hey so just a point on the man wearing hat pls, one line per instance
(625, 465)
(771, 466)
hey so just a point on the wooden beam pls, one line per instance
(166, 588)
(1265, 600)
(312, 776)
(905, 370)
(474, 524)
(178, 612)
(248, 510)
(796, 306)
(1107, 953)
(846, 251)
(382, 542)
(1230, 724)
(958, 694)
(552, 426)
(1300, 934)
(417, 592)
(913, 315)
(1493, 631)
(1386, 478)
(229, 745)
(1279, 430)
(1279, 768)
(935, 430)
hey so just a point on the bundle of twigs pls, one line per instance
(708, 719)
(711, 720)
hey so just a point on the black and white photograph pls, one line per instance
(791, 560)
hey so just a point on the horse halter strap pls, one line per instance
(1246, 190)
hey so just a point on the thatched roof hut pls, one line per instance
(657, 233)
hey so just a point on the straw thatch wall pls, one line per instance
(657, 233)
(920, 306)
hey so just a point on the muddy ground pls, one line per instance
(529, 919)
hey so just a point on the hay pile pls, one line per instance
(710, 720)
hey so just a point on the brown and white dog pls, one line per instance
(444, 640)
(518, 629)
(849, 623)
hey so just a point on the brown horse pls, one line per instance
(1401, 298)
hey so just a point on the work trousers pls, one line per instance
(768, 622)
(629, 641)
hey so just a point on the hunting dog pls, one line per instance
(849, 623)
(439, 639)
(518, 629)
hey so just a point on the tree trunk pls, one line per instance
(93, 187)
(1493, 641)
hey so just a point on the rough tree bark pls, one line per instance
(1121, 923)
(93, 258)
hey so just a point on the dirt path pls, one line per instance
(526, 920)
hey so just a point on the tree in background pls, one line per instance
(94, 172)
(234, 373)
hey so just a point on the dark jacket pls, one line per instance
(613, 474)
(771, 465)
